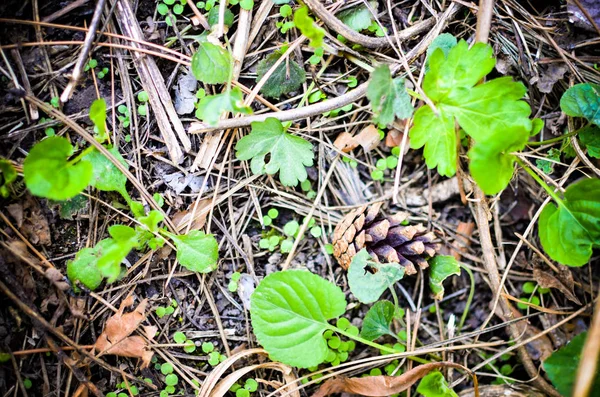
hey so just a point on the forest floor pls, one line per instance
(170, 324)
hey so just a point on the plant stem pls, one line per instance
(469, 299)
(539, 180)
(554, 140)
(375, 345)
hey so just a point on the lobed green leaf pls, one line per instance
(388, 97)
(211, 107)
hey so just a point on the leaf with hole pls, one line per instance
(211, 107)
(582, 100)
(369, 279)
(571, 231)
(197, 251)
(289, 154)
(212, 64)
(388, 97)
(290, 311)
(440, 268)
(287, 77)
(49, 173)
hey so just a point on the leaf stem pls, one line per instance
(540, 181)
(554, 140)
(470, 297)
(373, 344)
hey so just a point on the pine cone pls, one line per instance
(385, 238)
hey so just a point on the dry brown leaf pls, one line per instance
(31, 220)
(181, 218)
(345, 142)
(512, 390)
(381, 385)
(394, 136)
(368, 138)
(562, 281)
(116, 339)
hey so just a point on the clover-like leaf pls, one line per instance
(197, 251)
(493, 114)
(388, 97)
(212, 64)
(290, 310)
(107, 177)
(49, 173)
(377, 321)
(287, 77)
(211, 107)
(358, 18)
(308, 27)
(440, 268)
(435, 385)
(561, 367)
(368, 279)
(98, 117)
(289, 154)
(582, 100)
(570, 231)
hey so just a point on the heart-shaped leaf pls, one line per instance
(368, 279)
(377, 320)
(440, 268)
(582, 100)
(197, 251)
(290, 311)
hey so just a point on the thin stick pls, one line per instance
(85, 51)
(586, 373)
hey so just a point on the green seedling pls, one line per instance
(286, 12)
(162, 311)
(233, 284)
(123, 115)
(91, 64)
(272, 214)
(143, 98)
(102, 73)
(180, 338)
(249, 386)
(170, 8)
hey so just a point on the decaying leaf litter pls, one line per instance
(103, 200)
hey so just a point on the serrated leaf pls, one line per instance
(197, 251)
(561, 367)
(435, 385)
(212, 64)
(84, 268)
(98, 117)
(570, 231)
(107, 177)
(368, 279)
(440, 268)
(358, 18)
(289, 154)
(290, 310)
(308, 27)
(492, 113)
(445, 42)
(211, 107)
(582, 100)
(49, 174)
(112, 251)
(388, 97)
(377, 321)
(590, 138)
(287, 77)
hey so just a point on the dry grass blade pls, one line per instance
(223, 386)
(379, 386)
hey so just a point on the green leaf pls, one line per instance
(98, 117)
(152, 220)
(440, 268)
(112, 251)
(377, 321)
(435, 385)
(358, 18)
(493, 114)
(444, 42)
(107, 177)
(197, 251)
(84, 268)
(368, 279)
(289, 154)
(561, 367)
(308, 27)
(179, 337)
(211, 107)
(547, 166)
(213, 16)
(570, 231)
(48, 173)
(287, 77)
(247, 4)
(582, 100)
(290, 310)
(590, 138)
(388, 97)
(9, 175)
(212, 64)
(68, 208)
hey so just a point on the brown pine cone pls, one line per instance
(385, 238)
